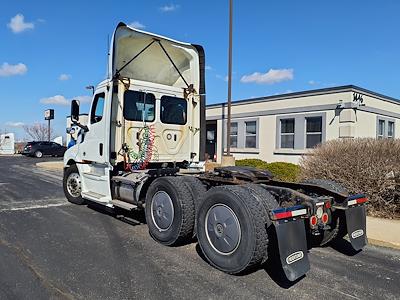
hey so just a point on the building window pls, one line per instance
(251, 134)
(234, 135)
(390, 134)
(287, 133)
(313, 131)
(385, 128)
(381, 129)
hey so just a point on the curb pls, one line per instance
(385, 244)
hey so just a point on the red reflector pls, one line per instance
(283, 215)
(325, 218)
(361, 200)
(328, 204)
(313, 220)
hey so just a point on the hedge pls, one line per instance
(281, 170)
(366, 165)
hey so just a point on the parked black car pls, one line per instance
(38, 149)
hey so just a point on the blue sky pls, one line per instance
(51, 50)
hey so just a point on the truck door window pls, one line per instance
(173, 110)
(139, 106)
(97, 108)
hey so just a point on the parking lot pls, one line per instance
(52, 249)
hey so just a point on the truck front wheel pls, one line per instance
(72, 185)
(231, 229)
(170, 211)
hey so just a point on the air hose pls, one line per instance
(139, 160)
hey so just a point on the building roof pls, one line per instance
(330, 90)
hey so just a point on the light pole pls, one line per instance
(90, 87)
(49, 115)
(228, 126)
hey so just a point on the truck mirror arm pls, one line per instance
(84, 127)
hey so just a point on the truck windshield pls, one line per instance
(173, 110)
(139, 106)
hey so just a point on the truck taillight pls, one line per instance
(313, 220)
(325, 218)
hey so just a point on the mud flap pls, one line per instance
(356, 226)
(292, 244)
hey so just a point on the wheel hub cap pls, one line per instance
(162, 211)
(74, 184)
(222, 229)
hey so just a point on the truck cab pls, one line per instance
(148, 112)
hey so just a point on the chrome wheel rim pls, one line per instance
(222, 229)
(74, 185)
(162, 211)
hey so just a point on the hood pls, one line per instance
(154, 58)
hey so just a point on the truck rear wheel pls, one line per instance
(170, 211)
(72, 185)
(231, 229)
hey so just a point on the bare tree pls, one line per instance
(38, 131)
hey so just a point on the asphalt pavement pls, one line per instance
(50, 249)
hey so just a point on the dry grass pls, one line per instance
(366, 165)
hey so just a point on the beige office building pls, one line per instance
(285, 127)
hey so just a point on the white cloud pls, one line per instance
(312, 82)
(12, 70)
(169, 8)
(57, 100)
(270, 77)
(61, 100)
(17, 24)
(64, 77)
(83, 99)
(224, 78)
(137, 25)
(208, 67)
(15, 124)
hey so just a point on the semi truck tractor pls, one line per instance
(143, 148)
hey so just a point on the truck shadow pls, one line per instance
(130, 217)
(272, 267)
(343, 246)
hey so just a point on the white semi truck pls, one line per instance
(143, 147)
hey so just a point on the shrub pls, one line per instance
(281, 170)
(252, 162)
(284, 171)
(365, 165)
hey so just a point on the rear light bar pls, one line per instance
(357, 199)
(289, 212)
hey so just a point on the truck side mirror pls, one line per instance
(75, 111)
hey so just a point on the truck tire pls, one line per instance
(170, 211)
(198, 190)
(38, 154)
(269, 203)
(231, 229)
(72, 185)
(338, 224)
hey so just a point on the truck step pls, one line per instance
(124, 205)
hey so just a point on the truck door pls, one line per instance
(93, 147)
